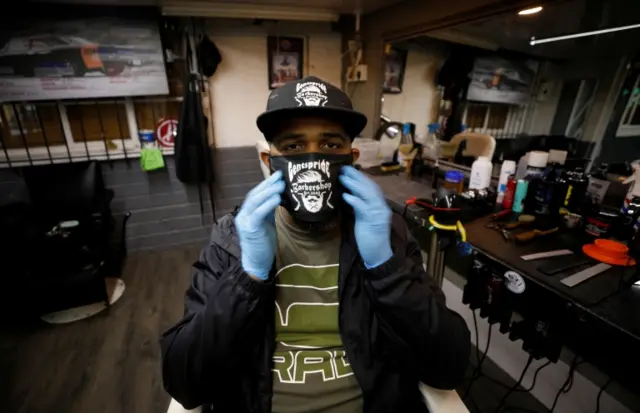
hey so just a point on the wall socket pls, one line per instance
(357, 74)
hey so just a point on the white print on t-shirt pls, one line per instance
(294, 366)
(284, 312)
(297, 362)
(310, 184)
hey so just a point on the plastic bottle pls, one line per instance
(537, 201)
(454, 180)
(508, 168)
(631, 208)
(520, 195)
(548, 189)
(631, 179)
(480, 173)
(510, 193)
(555, 181)
(576, 191)
(431, 143)
(556, 162)
(536, 164)
(599, 184)
(521, 170)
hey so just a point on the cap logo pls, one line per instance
(311, 94)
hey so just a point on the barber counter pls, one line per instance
(598, 319)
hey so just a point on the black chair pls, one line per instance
(74, 239)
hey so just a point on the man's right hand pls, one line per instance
(255, 225)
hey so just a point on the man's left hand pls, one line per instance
(373, 217)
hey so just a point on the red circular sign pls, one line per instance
(166, 132)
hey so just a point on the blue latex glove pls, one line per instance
(255, 225)
(373, 217)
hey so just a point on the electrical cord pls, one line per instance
(524, 390)
(568, 383)
(477, 370)
(475, 405)
(477, 373)
(515, 386)
(535, 376)
(602, 389)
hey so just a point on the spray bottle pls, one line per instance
(431, 144)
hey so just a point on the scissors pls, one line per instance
(505, 234)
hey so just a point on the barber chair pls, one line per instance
(478, 144)
(70, 241)
(437, 401)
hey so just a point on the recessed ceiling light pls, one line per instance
(532, 10)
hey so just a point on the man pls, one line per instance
(313, 297)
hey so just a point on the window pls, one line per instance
(49, 132)
(31, 125)
(70, 131)
(95, 121)
(490, 118)
(630, 122)
(150, 111)
(581, 107)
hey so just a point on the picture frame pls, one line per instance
(285, 60)
(395, 62)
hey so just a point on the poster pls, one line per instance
(498, 80)
(394, 66)
(285, 60)
(84, 58)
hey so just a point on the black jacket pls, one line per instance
(393, 321)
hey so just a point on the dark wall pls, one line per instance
(164, 211)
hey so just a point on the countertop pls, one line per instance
(398, 188)
(600, 299)
(602, 295)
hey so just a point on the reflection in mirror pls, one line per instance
(481, 89)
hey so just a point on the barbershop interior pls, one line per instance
(505, 134)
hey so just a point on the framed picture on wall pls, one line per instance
(394, 65)
(285, 59)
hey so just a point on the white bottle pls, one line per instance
(480, 173)
(508, 168)
(536, 164)
(522, 166)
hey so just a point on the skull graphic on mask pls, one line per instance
(313, 191)
(310, 187)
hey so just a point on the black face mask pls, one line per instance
(313, 192)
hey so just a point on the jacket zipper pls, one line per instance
(343, 277)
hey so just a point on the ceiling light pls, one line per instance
(535, 41)
(532, 10)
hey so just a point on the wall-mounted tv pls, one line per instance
(499, 80)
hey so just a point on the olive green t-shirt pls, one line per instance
(311, 372)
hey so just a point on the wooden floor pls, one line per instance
(106, 364)
(111, 363)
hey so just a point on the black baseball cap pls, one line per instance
(310, 97)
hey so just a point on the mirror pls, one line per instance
(485, 90)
